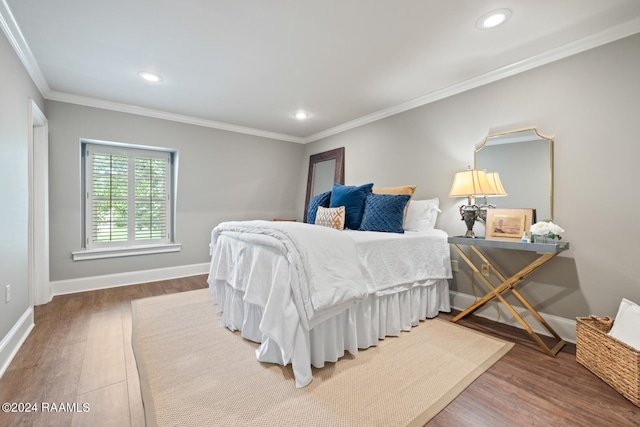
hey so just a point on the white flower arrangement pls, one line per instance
(547, 229)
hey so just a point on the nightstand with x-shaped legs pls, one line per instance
(547, 252)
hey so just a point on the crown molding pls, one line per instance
(624, 30)
(19, 44)
(21, 47)
(158, 114)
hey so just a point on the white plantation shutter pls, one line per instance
(151, 198)
(128, 196)
(109, 197)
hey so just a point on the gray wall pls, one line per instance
(222, 176)
(591, 104)
(16, 88)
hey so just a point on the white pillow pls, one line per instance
(422, 215)
(626, 326)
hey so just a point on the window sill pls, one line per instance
(125, 252)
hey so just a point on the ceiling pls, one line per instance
(249, 65)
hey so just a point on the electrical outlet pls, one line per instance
(454, 265)
(7, 293)
(485, 270)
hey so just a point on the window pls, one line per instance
(128, 200)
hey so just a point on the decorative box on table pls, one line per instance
(613, 361)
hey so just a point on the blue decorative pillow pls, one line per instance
(323, 200)
(352, 198)
(384, 212)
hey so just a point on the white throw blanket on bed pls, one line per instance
(327, 274)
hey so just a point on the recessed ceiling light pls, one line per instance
(301, 115)
(493, 19)
(149, 76)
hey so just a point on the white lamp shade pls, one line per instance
(471, 183)
(494, 180)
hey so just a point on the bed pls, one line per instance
(308, 294)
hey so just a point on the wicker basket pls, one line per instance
(613, 361)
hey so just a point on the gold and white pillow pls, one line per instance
(331, 217)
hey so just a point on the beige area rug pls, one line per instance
(195, 372)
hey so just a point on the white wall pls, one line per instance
(221, 176)
(16, 88)
(591, 104)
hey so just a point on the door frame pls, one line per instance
(39, 285)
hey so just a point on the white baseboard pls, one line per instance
(83, 284)
(493, 310)
(12, 342)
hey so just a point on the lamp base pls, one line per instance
(482, 210)
(469, 214)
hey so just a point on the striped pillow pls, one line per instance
(330, 217)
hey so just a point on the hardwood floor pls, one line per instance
(528, 388)
(80, 352)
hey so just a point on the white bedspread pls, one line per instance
(282, 282)
(326, 270)
(396, 261)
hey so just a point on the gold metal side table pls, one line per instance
(547, 252)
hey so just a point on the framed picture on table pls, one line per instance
(508, 224)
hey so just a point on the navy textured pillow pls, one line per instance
(384, 212)
(323, 200)
(352, 198)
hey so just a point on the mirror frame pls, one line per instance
(534, 130)
(338, 176)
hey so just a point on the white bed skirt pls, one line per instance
(359, 327)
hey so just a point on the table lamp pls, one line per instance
(494, 180)
(469, 184)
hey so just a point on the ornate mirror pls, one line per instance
(325, 169)
(524, 160)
